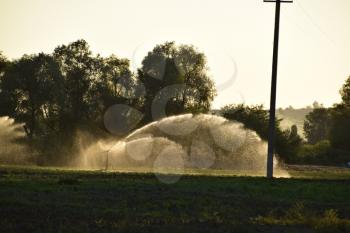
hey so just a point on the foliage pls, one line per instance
(28, 87)
(177, 77)
(339, 132)
(345, 92)
(340, 120)
(257, 119)
(319, 153)
(327, 129)
(3, 63)
(316, 125)
(57, 95)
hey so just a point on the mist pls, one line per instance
(13, 147)
(178, 143)
(171, 145)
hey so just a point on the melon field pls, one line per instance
(312, 199)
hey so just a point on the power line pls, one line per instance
(316, 25)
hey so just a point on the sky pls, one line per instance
(235, 35)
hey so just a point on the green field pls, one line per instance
(314, 199)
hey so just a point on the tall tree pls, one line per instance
(27, 85)
(116, 82)
(345, 92)
(178, 76)
(4, 97)
(317, 125)
(7, 104)
(340, 119)
(340, 127)
(3, 63)
(77, 66)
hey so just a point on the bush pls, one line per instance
(321, 153)
(256, 118)
(315, 154)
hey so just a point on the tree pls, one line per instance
(316, 104)
(178, 76)
(57, 95)
(116, 83)
(71, 89)
(253, 117)
(317, 125)
(294, 142)
(3, 63)
(27, 85)
(340, 120)
(5, 103)
(345, 92)
(340, 127)
(77, 66)
(257, 118)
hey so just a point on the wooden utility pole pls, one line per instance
(272, 118)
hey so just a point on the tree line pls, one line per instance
(326, 131)
(56, 94)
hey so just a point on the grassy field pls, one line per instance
(314, 199)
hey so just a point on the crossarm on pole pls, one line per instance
(281, 1)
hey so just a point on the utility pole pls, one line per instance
(272, 118)
(107, 160)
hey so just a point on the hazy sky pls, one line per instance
(314, 47)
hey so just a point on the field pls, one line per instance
(314, 199)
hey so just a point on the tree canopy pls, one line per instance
(331, 126)
(257, 118)
(340, 119)
(345, 92)
(56, 94)
(176, 78)
(317, 125)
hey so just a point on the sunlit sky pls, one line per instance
(314, 44)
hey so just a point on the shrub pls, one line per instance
(322, 153)
(315, 154)
(256, 118)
